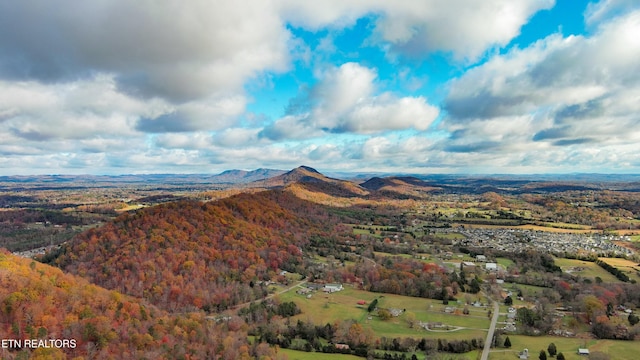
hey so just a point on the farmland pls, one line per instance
(631, 268)
(586, 269)
(328, 308)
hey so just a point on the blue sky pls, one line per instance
(462, 86)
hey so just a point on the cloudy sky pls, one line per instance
(429, 86)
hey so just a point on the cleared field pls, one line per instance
(384, 254)
(323, 308)
(619, 350)
(504, 262)
(302, 355)
(579, 229)
(585, 269)
(629, 267)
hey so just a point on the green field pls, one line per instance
(618, 350)
(328, 308)
(629, 267)
(585, 269)
(504, 262)
(302, 355)
(372, 230)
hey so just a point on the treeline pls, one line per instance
(359, 341)
(264, 311)
(613, 271)
(398, 275)
(18, 218)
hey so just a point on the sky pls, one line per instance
(405, 86)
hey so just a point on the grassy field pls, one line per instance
(589, 269)
(561, 228)
(504, 262)
(629, 267)
(328, 308)
(618, 350)
(372, 230)
(302, 355)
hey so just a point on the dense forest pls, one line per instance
(42, 302)
(190, 255)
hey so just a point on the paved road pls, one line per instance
(492, 329)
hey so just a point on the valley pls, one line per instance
(273, 264)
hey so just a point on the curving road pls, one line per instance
(492, 329)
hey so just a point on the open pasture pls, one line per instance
(323, 308)
(629, 267)
(558, 228)
(585, 269)
(617, 349)
(303, 355)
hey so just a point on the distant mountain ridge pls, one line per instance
(243, 176)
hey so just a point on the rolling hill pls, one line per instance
(48, 314)
(394, 186)
(189, 255)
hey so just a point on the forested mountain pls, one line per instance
(312, 180)
(189, 255)
(86, 321)
(398, 185)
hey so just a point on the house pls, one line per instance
(466, 264)
(481, 258)
(582, 351)
(303, 291)
(342, 346)
(491, 266)
(331, 288)
(315, 286)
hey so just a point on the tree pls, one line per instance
(507, 343)
(633, 319)
(560, 356)
(543, 355)
(373, 305)
(410, 317)
(552, 349)
(508, 301)
(474, 287)
(384, 314)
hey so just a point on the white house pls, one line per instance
(582, 351)
(491, 266)
(331, 288)
(481, 258)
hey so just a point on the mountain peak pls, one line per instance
(305, 168)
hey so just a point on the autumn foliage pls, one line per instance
(38, 301)
(190, 255)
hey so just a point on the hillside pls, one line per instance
(393, 186)
(190, 255)
(314, 181)
(86, 321)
